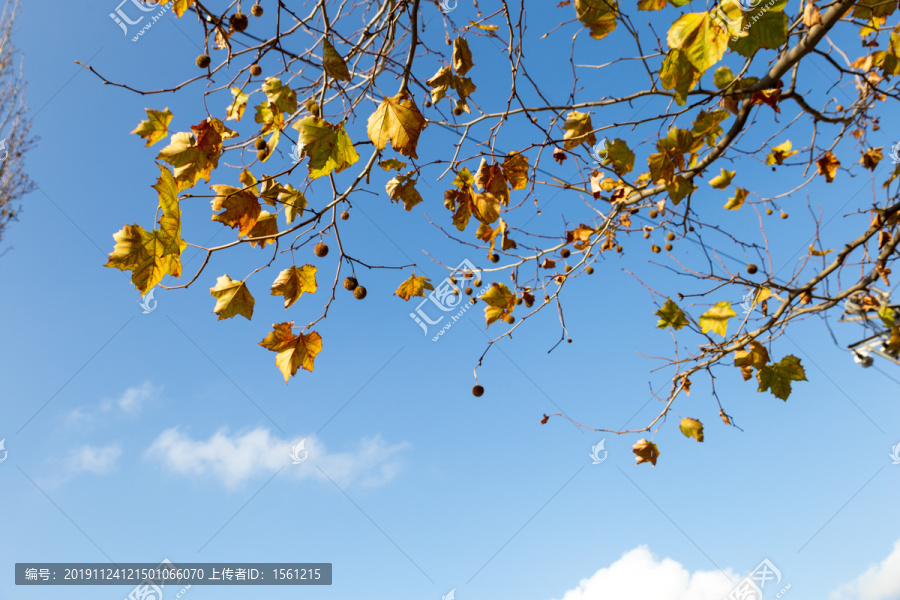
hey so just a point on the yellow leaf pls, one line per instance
(716, 318)
(814, 252)
(692, 428)
(777, 378)
(646, 451)
(281, 96)
(294, 202)
(671, 316)
(156, 127)
(391, 163)
(294, 351)
(597, 15)
(397, 119)
(500, 303)
(195, 157)
(328, 146)
(579, 130)
(740, 195)
(403, 187)
(414, 286)
(515, 170)
(236, 108)
(150, 255)
(490, 179)
(292, 283)
(266, 224)
(755, 358)
(701, 38)
(779, 153)
(333, 62)
(871, 158)
(232, 298)
(462, 56)
(722, 180)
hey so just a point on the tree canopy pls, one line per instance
(664, 123)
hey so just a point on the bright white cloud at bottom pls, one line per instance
(638, 575)
(234, 458)
(878, 582)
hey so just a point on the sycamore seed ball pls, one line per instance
(477, 283)
(654, 213)
(256, 70)
(495, 258)
(618, 248)
(260, 144)
(256, 10)
(203, 61)
(350, 283)
(751, 268)
(262, 154)
(239, 21)
(646, 235)
(321, 249)
(564, 253)
(477, 391)
(784, 215)
(510, 319)
(359, 293)
(655, 249)
(468, 291)
(568, 268)
(668, 247)
(768, 211)
(345, 215)
(457, 110)
(670, 236)
(589, 270)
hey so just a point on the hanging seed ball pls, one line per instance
(510, 320)
(256, 70)
(260, 144)
(239, 21)
(477, 283)
(262, 154)
(768, 211)
(321, 249)
(618, 248)
(568, 268)
(668, 247)
(495, 258)
(670, 236)
(473, 300)
(345, 215)
(453, 280)
(468, 291)
(477, 391)
(654, 213)
(546, 299)
(256, 10)
(359, 293)
(589, 270)
(457, 110)
(646, 235)
(569, 340)
(564, 253)
(350, 283)
(518, 301)
(654, 248)
(784, 215)
(752, 269)
(428, 104)
(203, 61)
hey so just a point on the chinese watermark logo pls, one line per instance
(751, 587)
(895, 453)
(448, 298)
(123, 20)
(595, 453)
(895, 153)
(5, 453)
(299, 453)
(749, 302)
(451, 595)
(738, 8)
(145, 303)
(447, 7)
(4, 150)
(598, 152)
(297, 152)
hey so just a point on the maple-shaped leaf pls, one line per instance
(294, 202)
(579, 130)
(722, 180)
(266, 224)
(328, 146)
(292, 283)
(599, 16)
(737, 201)
(462, 56)
(691, 428)
(646, 451)
(619, 156)
(282, 96)
(403, 187)
(755, 358)
(500, 303)
(701, 37)
(294, 351)
(485, 207)
(706, 125)
(671, 316)
(780, 152)
(235, 110)
(580, 236)
(716, 318)
(515, 170)
(194, 156)
(397, 119)
(445, 80)
(242, 209)
(490, 178)
(777, 378)
(871, 158)
(150, 255)
(333, 62)
(828, 165)
(414, 286)
(232, 298)
(156, 127)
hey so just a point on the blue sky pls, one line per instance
(136, 437)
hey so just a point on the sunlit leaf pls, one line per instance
(232, 298)
(294, 282)
(155, 127)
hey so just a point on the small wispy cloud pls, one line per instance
(94, 459)
(234, 458)
(130, 402)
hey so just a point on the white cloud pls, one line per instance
(638, 575)
(93, 459)
(233, 459)
(130, 401)
(878, 582)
